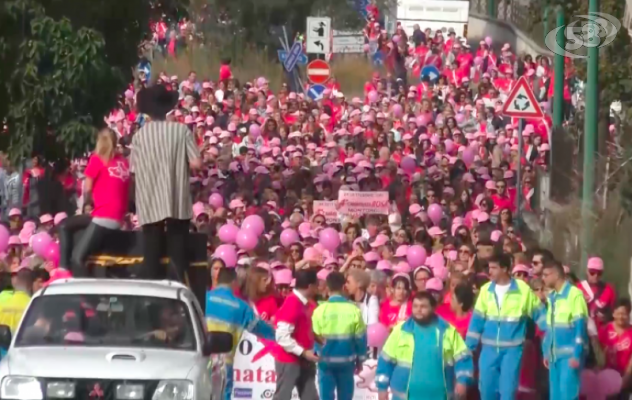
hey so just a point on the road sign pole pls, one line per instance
(519, 174)
(558, 92)
(590, 137)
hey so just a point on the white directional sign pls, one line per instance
(318, 37)
(348, 42)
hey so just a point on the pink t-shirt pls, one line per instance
(390, 315)
(110, 188)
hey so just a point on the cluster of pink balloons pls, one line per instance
(44, 246)
(245, 237)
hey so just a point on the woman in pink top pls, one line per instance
(398, 307)
(107, 184)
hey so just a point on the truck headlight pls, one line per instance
(129, 392)
(21, 387)
(174, 390)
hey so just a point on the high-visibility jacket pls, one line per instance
(339, 322)
(12, 307)
(503, 326)
(225, 312)
(566, 334)
(396, 359)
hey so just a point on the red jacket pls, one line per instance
(295, 313)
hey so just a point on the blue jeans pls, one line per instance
(336, 378)
(499, 372)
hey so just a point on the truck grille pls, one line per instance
(101, 389)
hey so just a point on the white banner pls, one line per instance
(328, 209)
(255, 377)
(362, 203)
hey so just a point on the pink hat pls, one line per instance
(46, 218)
(236, 203)
(403, 267)
(414, 209)
(58, 274)
(330, 261)
(482, 217)
(282, 276)
(520, 268)
(401, 251)
(402, 275)
(25, 236)
(440, 273)
(495, 236)
(436, 260)
(435, 231)
(434, 284)
(595, 264)
(323, 273)
(198, 209)
(14, 240)
(490, 185)
(380, 240)
(384, 265)
(371, 256)
(59, 217)
(14, 212)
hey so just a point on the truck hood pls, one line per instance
(100, 363)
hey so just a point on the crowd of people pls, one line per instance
(436, 281)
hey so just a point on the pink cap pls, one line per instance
(435, 260)
(434, 284)
(46, 218)
(58, 274)
(59, 217)
(440, 273)
(371, 256)
(401, 251)
(323, 273)
(495, 236)
(14, 212)
(330, 261)
(520, 268)
(384, 265)
(414, 209)
(435, 231)
(282, 276)
(14, 240)
(482, 217)
(403, 267)
(380, 240)
(595, 264)
(490, 185)
(236, 203)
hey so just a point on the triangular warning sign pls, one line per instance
(521, 102)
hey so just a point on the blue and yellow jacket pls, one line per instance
(339, 322)
(503, 326)
(225, 312)
(565, 329)
(396, 360)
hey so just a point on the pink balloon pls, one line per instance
(416, 256)
(376, 335)
(609, 382)
(289, 237)
(366, 48)
(436, 260)
(311, 253)
(468, 157)
(373, 97)
(435, 213)
(478, 60)
(228, 233)
(254, 223)
(40, 242)
(227, 253)
(329, 239)
(4, 238)
(254, 130)
(216, 200)
(409, 164)
(460, 118)
(397, 111)
(247, 239)
(589, 383)
(52, 253)
(488, 41)
(449, 145)
(434, 140)
(396, 38)
(422, 120)
(304, 229)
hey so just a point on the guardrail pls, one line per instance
(514, 12)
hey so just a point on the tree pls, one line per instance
(63, 65)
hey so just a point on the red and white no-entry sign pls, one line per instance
(318, 71)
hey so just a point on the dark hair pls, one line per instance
(305, 278)
(426, 296)
(623, 302)
(402, 279)
(546, 255)
(335, 281)
(504, 260)
(226, 276)
(464, 295)
(557, 266)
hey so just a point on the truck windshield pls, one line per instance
(107, 321)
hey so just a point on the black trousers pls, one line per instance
(171, 234)
(73, 255)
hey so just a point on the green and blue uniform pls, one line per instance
(500, 325)
(339, 323)
(423, 362)
(565, 338)
(225, 312)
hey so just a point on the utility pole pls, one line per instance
(558, 90)
(590, 138)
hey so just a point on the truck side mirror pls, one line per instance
(218, 343)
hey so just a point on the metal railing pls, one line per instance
(516, 12)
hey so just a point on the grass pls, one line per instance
(351, 71)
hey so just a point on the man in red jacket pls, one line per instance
(295, 361)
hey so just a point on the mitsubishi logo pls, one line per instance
(96, 392)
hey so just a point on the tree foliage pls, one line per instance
(62, 65)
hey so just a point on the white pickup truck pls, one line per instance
(111, 339)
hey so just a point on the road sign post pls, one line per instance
(519, 174)
(318, 37)
(318, 71)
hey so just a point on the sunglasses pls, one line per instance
(520, 275)
(464, 251)
(594, 272)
